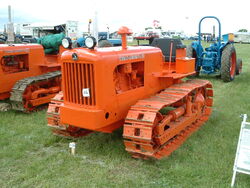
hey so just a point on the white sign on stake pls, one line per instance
(242, 157)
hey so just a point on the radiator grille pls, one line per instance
(79, 76)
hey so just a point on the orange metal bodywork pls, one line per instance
(116, 78)
(139, 88)
(28, 60)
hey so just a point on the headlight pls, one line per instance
(90, 42)
(66, 42)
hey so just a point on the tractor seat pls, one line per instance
(164, 45)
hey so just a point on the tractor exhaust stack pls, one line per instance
(124, 31)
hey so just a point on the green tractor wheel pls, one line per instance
(190, 52)
(228, 63)
(238, 66)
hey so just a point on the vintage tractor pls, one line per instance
(219, 58)
(30, 73)
(137, 87)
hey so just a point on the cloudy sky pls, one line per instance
(136, 14)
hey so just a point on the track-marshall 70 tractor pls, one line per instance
(137, 87)
(29, 75)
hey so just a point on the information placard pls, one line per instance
(243, 161)
(242, 158)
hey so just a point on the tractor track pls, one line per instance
(144, 136)
(18, 90)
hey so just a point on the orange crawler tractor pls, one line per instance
(28, 77)
(137, 87)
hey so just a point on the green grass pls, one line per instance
(30, 156)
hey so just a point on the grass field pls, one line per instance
(30, 156)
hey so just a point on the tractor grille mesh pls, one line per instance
(79, 76)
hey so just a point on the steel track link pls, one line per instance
(139, 129)
(18, 89)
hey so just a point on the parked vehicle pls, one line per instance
(220, 58)
(139, 88)
(30, 73)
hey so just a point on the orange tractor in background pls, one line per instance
(29, 78)
(137, 87)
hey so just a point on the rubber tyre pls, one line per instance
(104, 43)
(239, 66)
(228, 63)
(190, 52)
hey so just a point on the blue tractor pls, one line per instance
(219, 58)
